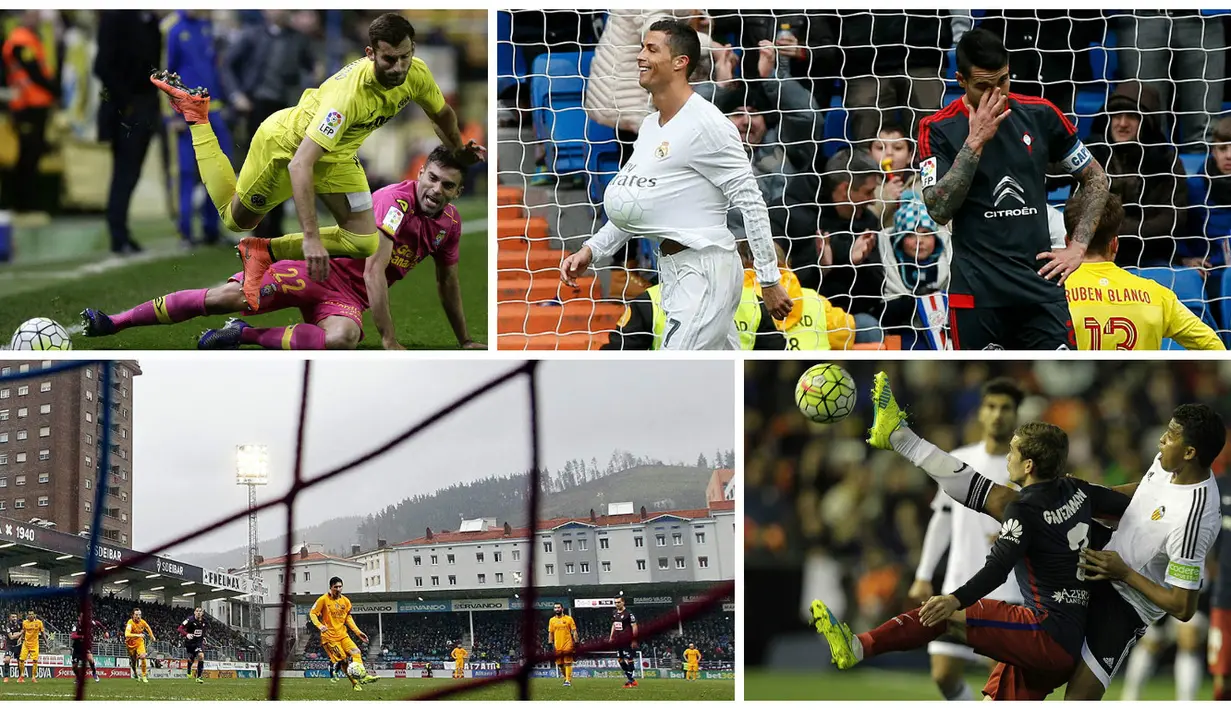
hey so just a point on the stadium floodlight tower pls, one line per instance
(252, 470)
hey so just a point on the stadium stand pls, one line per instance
(1086, 62)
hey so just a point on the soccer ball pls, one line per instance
(622, 206)
(356, 670)
(825, 393)
(41, 334)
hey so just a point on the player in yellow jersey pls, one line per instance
(331, 615)
(135, 631)
(563, 633)
(692, 662)
(1115, 310)
(459, 656)
(309, 151)
(32, 631)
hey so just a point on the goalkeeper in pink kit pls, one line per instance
(415, 220)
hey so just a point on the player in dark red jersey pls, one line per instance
(193, 631)
(984, 163)
(624, 633)
(83, 655)
(10, 645)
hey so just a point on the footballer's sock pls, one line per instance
(6, 668)
(901, 633)
(1222, 692)
(34, 670)
(337, 241)
(1140, 668)
(1188, 675)
(303, 336)
(93, 668)
(145, 668)
(964, 484)
(164, 310)
(216, 172)
(568, 673)
(962, 693)
(628, 671)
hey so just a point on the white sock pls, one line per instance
(963, 693)
(963, 484)
(1139, 669)
(1188, 675)
(857, 647)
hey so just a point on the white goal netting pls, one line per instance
(829, 114)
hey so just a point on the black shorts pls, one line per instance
(626, 652)
(1113, 627)
(79, 650)
(192, 649)
(1038, 326)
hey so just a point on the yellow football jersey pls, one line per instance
(343, 111)
(32, 629)
(136, 627)
(333, 614)
(1115, 310)
(692, 656)
(561, 629)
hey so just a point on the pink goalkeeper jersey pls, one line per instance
(416, 236)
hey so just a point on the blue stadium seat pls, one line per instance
(556, 87)
(1194, 163)
(1188, 286)
(1059, 196)
(510, 65)
(602, 159)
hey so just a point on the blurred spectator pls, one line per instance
(129, 50)
(1209, 196)
(894, 152)
(190, 51)
(849, 270)
(892, 60)
(915, 253)
(1145, 173)
(1048, 50)
(33, 91)
(265, 70)
(1181, 51)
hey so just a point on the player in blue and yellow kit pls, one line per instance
(310, 150)
(189, 50)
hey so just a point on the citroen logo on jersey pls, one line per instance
(1158, 513)
(1006, 188)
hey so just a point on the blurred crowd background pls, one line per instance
(83, 130)
(827, 516)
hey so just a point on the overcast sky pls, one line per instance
(188, 418)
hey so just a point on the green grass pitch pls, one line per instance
(60, 291)
(877, 684)
(385, 689)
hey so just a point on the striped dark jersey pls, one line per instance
(622, 625)
(78, 632)
(1043, 532)
(13, 627)
(1221, 596)
(1002, 224)
(194, 631)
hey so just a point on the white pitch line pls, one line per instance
(78, 329)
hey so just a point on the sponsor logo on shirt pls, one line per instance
(331, 124)
(1071, 596)
(1005, 190)
(1185, 573)
(927, 172)
(1158, 513)
(393, 220)
(1011, 530)
(404, 205)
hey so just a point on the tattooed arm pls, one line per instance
(1089, 201)
(945, 197)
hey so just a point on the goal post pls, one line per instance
(829, 113)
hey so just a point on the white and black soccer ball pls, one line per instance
(41, 334)
(623, 205)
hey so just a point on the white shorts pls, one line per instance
(701, 289)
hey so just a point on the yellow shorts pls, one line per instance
(340, 650)
(692, 667)
(264, 181)
(29, 653)
(459, 665)
(564, 660)
(138, 650)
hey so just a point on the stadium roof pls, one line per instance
(300, 557)
(594, 520)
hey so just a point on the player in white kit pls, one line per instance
(968, 534)
(688, 168)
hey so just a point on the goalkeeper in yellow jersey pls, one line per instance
(135, 631)
(32, 631)
(331, 615)
(1115, 310)
(309, 151)
(692, 662)
(563, 632)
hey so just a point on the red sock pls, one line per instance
(901, 633)
(164, 310)
(1223, 693)
(293, 337)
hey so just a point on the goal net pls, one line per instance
(829, 114)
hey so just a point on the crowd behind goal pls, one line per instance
(828, 104)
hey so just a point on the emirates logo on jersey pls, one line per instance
(1158, 513)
